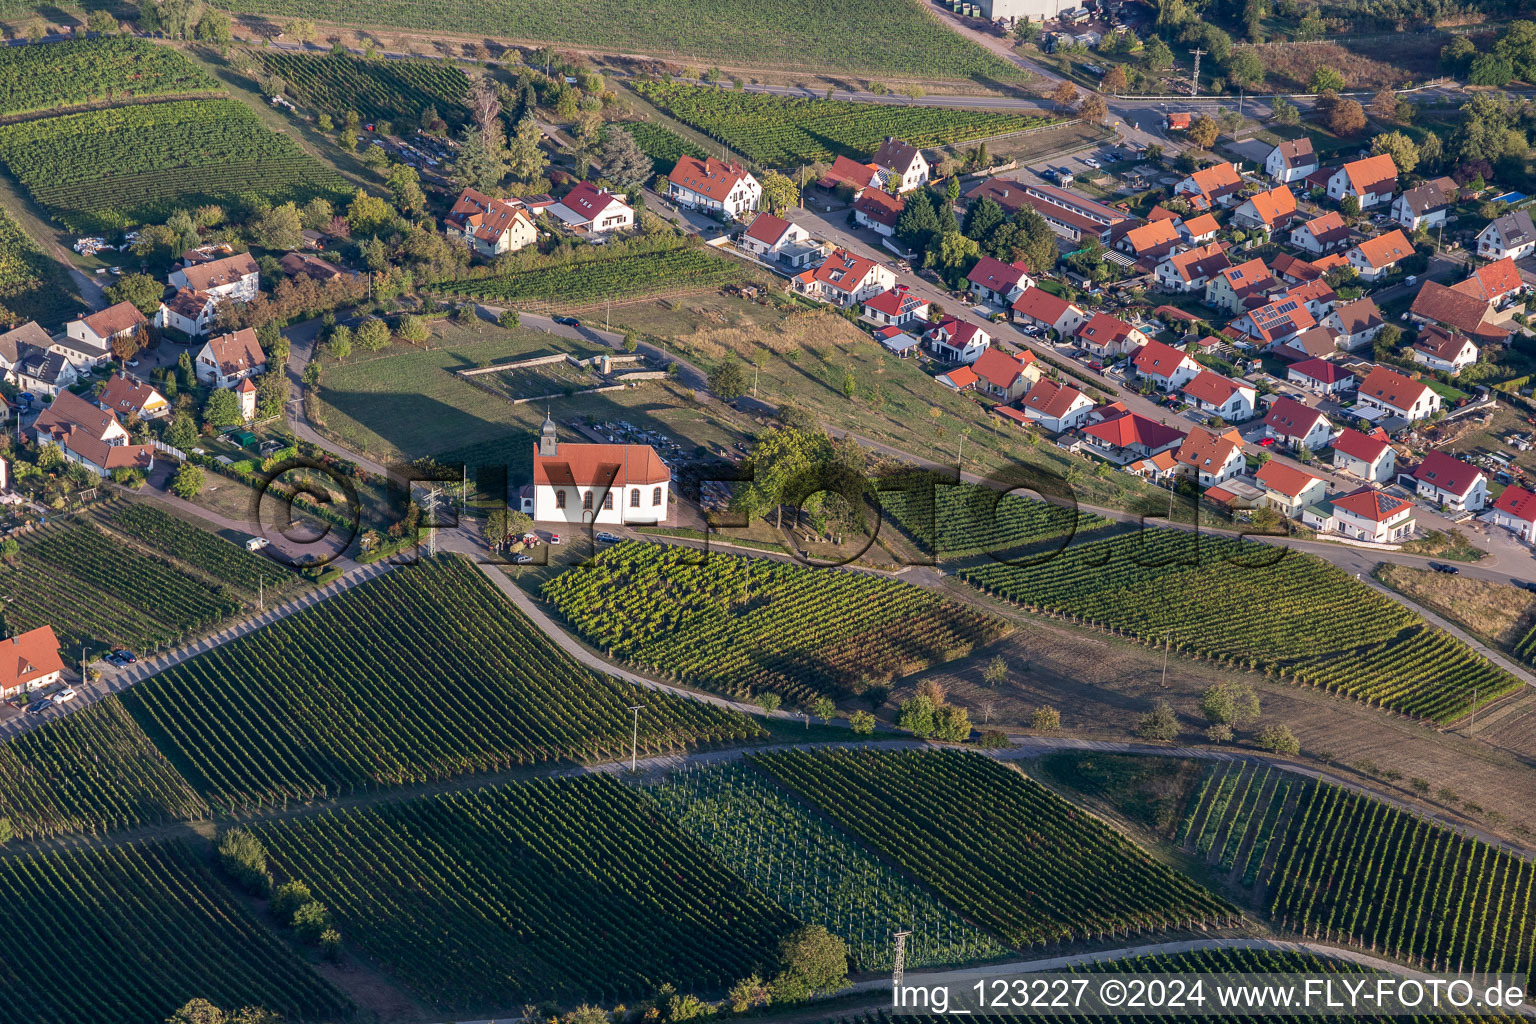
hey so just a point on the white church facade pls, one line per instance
(612, 484)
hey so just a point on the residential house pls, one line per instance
(1376, 256)
(17, 341)
(489, 226)
(1316, 343)
(1495, 283)
(1149, 242)
(1006, 375)
(1210, 457)
(1038, 307)
(844, 279)
(1191, 269)
(1321, 234)
(1317, 295)
(1457, 309)
(905, 166)
(1296, 425)
(1276, 322)
(1372, 181)
(895, 306)
(233, 278)
(42, 372)
(1232, 400)
(1321, 376)
(1291, 161)
(1073, 216)
(957, 341)
(1239, 287)
(29, 661)
(100, 329)
(1447, 351)
(769, 236)
(1198, 230)
(1288, 488)
(1109, 337)
(1515, 510)
(1355, 324)
(1397, 395)
(303, 264)
(854, 176)
(187, 311)
(129, 397)
(1511, 236)
(1219, 184)
(1448, 481)
(998, 282)
(1426, 205)
(230, 358)
(1128, 436)
(878, 211)
(1293, 269)
(961, 378)
(1166, 367)
(728, 190)
(1055, 406)
(896, 341)
(1367, 456)
(1364, 514)
(1271, 210)
(613, 484)
(84, 356)
(592, 210)
(90, 436)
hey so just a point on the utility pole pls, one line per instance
(1167, 643)
(431, 504)
(634, 739)
(1194, 79)
(261, 593)
(899, 965)
(1472, 718)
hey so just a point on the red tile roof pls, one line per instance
(961, 377)
(895, 302)
(1452, 307)
(995, 274)
(1289, 418)
(1385, 250)
(1210, 386)
(588, 201)
(1278, 202)
(843, 270)
(1207, 450)
(1001, 369)
(1152, 237)
(114, 320)
(1039, 304)
(767, 228)
(708, 177)
(1448, 473)
(29, 656)
(598, 465)
(1517, 502)
(69, 411)
(1392, 388)
(1328, 228)
(1103, 329)
(1217, 180)
(1369, 503)
(1322, 370)
(237, 352)
(1284, 479)
(845, 172)
(1131, 428)
(1365, 447)
(123, 396)
(880, 207)
(1370, 174)
(1203, 261)
(484, 217)
(1205, 224)
(1159, 360)
(1052, 399)
(1492, 282)
(216, 273)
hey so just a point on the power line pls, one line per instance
(1194, 79)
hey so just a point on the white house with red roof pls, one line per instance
(488, 225)
(1367, 456)
(1321, 234)
(1006, 375)
(1165, 366)
(1374, 257)
(1128, 437)
(1447, 480)
(230, 278)
(844, 279)
(100, 329)
(1210, 457)
(1037, 307)
(1289, 488)
(1294, 424)
(1447, 351)
(89, 436)
(1372, 180)
(846, 172)
(957, 341)
(1364, 514)
(1271, 210)
(998, 282)
(1396, 395)
(1150, 242)
(1191, 269)
(879, 211)
(961, 378)
(1219, 184)
(1515, 510)
(1320, 376)
(29, 661)
(230, 358)
(1236, 288)
(1494, 282)
(1275, 323)
(729, 190)
(1109, 337)
(124, 396)
(904, 165)
(1198, 230)
(613, 484)
(895, 306)
(1056, 406)
(593, 210)
(1232, 400)
(769, 236)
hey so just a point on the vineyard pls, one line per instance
(80, 71)
(836, 35)
(91, 771)
(815, 872)
(419, 674)
(570, 889)
(32, 285)
(1001, 848)
(1237, 814)
(592, 274)
(776, 131)
(1299, 618)
(662, 145)
(746, 626)
(379, 90)
(96, 593)
(200, 549)
(107, 169)
(960, 520)
(130, 933)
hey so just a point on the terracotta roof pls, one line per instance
(1297, 152)
(1210, 386)
(1289, 418)
(1156, 359)
(108, 456)
(69, 411)
(1039, 304)
(1151, 237)
(296, 263)
(1204, 261)
(1448, 473)
(1204, 224)
(881, 207)
(217, 273)
(1492, 282)
(1314, 290)
(1384, 250)
(1008, 194)
(767, 228)
(895, 302)
(961, 377)
(1369, 174)
(114, 320)
(1281, 318)
(1332, 261)
(188, 303)
(1161, 212)
(588, 202)
(1248, 277)
(599, 465)
(1321, 370)
(708, 177)
(1328, 228)
(1392, 388)
(843, 270)
(1369, 503)
(1208, 450)
(28, 656)
(237, 352)
(1272, 205)
(1052, 399)
(1216, 180)
(1365, 447)
(953, 332)
(1450, 306)
(1443, 344)
(123, 396)
(849, 172)
(486, 218)
(1130, 428)
(1517, 502)
(1284, 479)
(1104, 329)
(997, 275)
(1358, 316)
(1001, 369)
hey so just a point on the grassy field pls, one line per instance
(1496, 611)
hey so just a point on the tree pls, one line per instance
(1065, 95)
(214, 27)
(862, 723)
(526, 160)
(1114, 81)
(9, 549)
(507, 318)
(311, 921)
(1384, 104)
(1158, 724)
(126, 346)
(1279, 739)
(812, 961)
(996, 672)
(340, 343)
(953, 252)
(222, 409)
(188, 481)
(1229, 703)
(198, 1011)
(1405, 154)
(1283, 111)
(982, 217)
(728, 380)
(1045, 719)
(916, 715)
(302, 31)
(1517, 46)
(1026, 31)
(1490, 69)
(317, 214)
(368, 215)
(1326, 79)
(49, 456)
(278, 228)
(244, 857)
(140, 289)
(413, 329)
(780, 192)
(1158, 55)
(951, 723)
(1221, 732)
(1245, 68)
(404, 186)
(372, 335)
(101, 22)
(1345, 116)
(824, 708)
(181, 433)
(1093, 109)
(1350, 206)
(1203, 131)
(624, 162)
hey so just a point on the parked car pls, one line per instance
(1449, 570)
(568, 321)
(554, 538)
(604, 537)
(1097, 364)
(37, 707)
(64, 696)
(523, 560)
(126, 655)
(1091, 162)
(1265, 442)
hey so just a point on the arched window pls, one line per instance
(655, 496)
(586, 501)
(634, 498)
(560, 498)
(608, 501)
